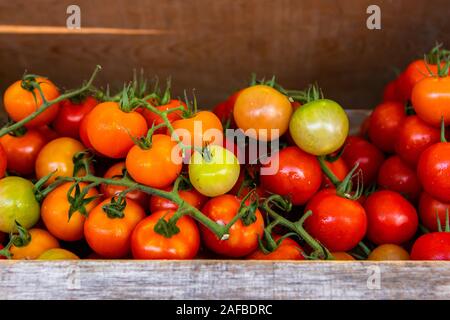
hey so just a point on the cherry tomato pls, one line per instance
(20, 103)
(110, 130)
(387, 252)
(342, 256)
(392, 92)
(110, 237)
(337, 222)
(40, 242)
(262, 112)
(214, 172)
(57, 156)
(413, 74)
(385, 122)
(397, 176)
(391, 218)
(319, 127)
(413, 137)
(287, 250)
(3, 161)
(55, 213)
(192, 197)
(298, 176)
(224, 110)
(83, 133)
(153, 119)
(340, 170)
(243, 239)
(58, 254)
(364, 128)
(429, 211)
(432, 246)
(148, 244)
(67, 122)
(22, 151)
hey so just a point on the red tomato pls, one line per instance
(67, 122)
(429, 211)
(299, 175)
(340, 170)
(48, 133)
(3, 162)
(364, 128)
(397, 176)
(392, 93)
(224, 110)
(192, 197)
(154, 119)
(288, 249)
(414, 73)
(243, 239)
(391, 218)
(413, 137)
(432, 246)
(368, 157)
(385, 122)
(337, 222)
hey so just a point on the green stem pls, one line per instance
(327, 171)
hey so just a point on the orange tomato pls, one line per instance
(41, 241)
(287, 250)
(388, 252)
(192, 197)
(58, 254)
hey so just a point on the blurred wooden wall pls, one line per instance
(214, 45)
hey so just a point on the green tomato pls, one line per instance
(319, 127)
(214, 172)
(17, 203)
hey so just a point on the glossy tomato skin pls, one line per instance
(433, 170)
(243, 239)
(340, 170)
(260, 109)
(391, 218)
(287, 250)
(338, 223)
(41, 241)
(192, 197)
(369, 157)
(397, 176)
(22, 151)
(432, 246)
(413, 137)
(299, 175)
(67, 122)
(20, 103)
(55, 213)
(83, 133)
(111, 237)
(3, 161)
(388, 252)
(110, 130)
(429, 211)
(153, 119)
(385, 122)
(412, 75)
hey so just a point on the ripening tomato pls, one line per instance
(432, 246)
(57, 156)
(391, 218)
(55, 213)
(110, 130)
(40, 242)
(71, 113)
(342, 256)
(413, 137)
(20, 103)
(431, 100)
(146, 243)
(224, 110)
(388, 252)
(385, 122)
(243, 239)
(430, 210)
(262, 112)
(3, 161)
(153, 119)
(340, 170)
(294, 173)
(191, 197)
(159, 165)
(108, 235)
(413, 74)
(22, 150)
(337, 222)
(397, 176)
(110, 190)
(58, 254)
(364, 153)
(288, 249)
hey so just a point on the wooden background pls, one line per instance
(213, 46)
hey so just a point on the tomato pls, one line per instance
(364, 128)
(22, 151)
(431, 100)
(337, 222)
(20, 103)
(55, 213)
(110, 130)
(342, 256)
(388, 252)
(340, 170)
(202, 128)
(83, 133)
(109, 190)
(58, 254)
(432, 246)
(192, 197)
(48, 133)
(287, 250)
(364, 153)
(246, 182)
(429, 211)
(224, 110)
(3, 161)
(413, 74)
(392, 92)
(147, 244)
(262, 112)
(433, 170)
(391, 218)
(153, 119)
(243, 239)
(319, 127)
(214, 172)
(110, 237)
(413, 137)
(17, 203)
(385, 122)
(40, 242)
(57, 156)
(67, 122)
(397, 176)
(298, 176)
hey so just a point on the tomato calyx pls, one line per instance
(293, 95)
(168, 228)
(114, 209)
(247, 210)
(82, 161)
(437, 54)
(447, 222)
(78, 201)
(345, 188)
(21, 239)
